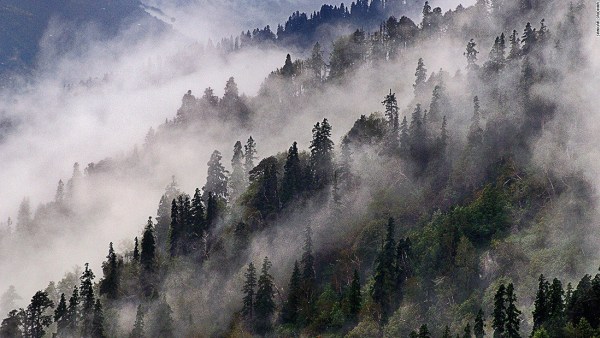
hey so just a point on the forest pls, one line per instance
(464, 206)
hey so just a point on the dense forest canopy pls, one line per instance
(361, 191)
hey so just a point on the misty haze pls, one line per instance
(279, 168)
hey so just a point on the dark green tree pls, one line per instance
(249, 155)
(513, 319)
(264, 305)
(289, 313)
(424, 332)
(475, 136)
(249, 293)
(391, 111)
(467, 331)
(98, 321)
(73, 312)
(383, 289)
(308, 277)
(515, 46)
(237, 180)
(316, 63)
(148, 260)
(163, 323)
(11, 325)
(86, 291)
(541, 309)
(136, 250)
(479, 327)
(471, 54)
(109, 285)
(499, 315)
(420, 75)
(446, 333)
(529, 39)
(291, 185)
(354, 297)
(321, 155)
(404, 138)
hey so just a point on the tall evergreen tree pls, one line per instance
(316, 63)
(148, 259)
(163, 323)
(354, 297)
(216, 180)
(86, 292)
(308, 277)
(109, 285)
(421, 76)
(36, 318)
(136, 250)
(384, 277)
(176, 229)
(515, 46)
(321, 155)
(471, 54)
(467, 331)
(264, 305)
(513, 319)
(289, 313)
(138, 326)
(73, 312)
(98, 321)
(249, 155)
(499, 319)
(11, 325)
(249, 293)
(60, 316)
(391, 111)
(541, 304)
(237, 180)
(404, 138)
(475, 136)
(529, 39)
(291, 184)
(479, 327)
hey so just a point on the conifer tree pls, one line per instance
(499, 319)
(471, 55)
(216, 179)
(11, 325)
(249, 293)
(439, 104)
(391, 111)
(446, 333)
(556, 302)
(86, 292)
(479, 327)
(73, 312)
(136, 250)
(308, 277)
(541, 304)
(515, 46)
(60, 316)
(316, 63)
(249, 155)
(424, 332)
(98, 321)
(384, 277)
(163, 323)
(475, 136)
(60, 192)
(264, 305)
(237, 181)
(109, 285)
(529, 39)
(289, 313)
(148, 259)
(175, 230)
(36, 318)
(513, 319)
(212, 211)
(291, 184)
(138, 326)
(467, 331)
(404, 138)
(354, 297)
(421, 76)
(321, 155)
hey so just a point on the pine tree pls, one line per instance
(308, 277)
(175, 230)
(471, 55)
(11, 325)
(321, 155)
(391, 111)
(513, 319)
(316, 63)
(163, 323)
(148, 259)
(404, 138)
(291, 185)
(556, 301)
(421, 76)
(73, 312)
(515, 46)
(467, 331)
(479, 327)
(499, 320)
(212, 211)
(541, 304)
(264, 305)
(424, 332)
(439, 104)
(60, 192)
(288, 68)
(98, 321)
(354, 297)
(163, 218)
(138, 326)
(197, 226)
(529, 39)
(384, 277)
(475, 136)
(109, 285)
(446, 333)
(60, 316)
(237, 180)
(249, 154)
(216, 179)
(36, 318)
(249, 293)
(136, 250)
(289, 313)
(86, 292)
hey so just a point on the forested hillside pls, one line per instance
(465, 206)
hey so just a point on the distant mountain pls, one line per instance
(23, 23)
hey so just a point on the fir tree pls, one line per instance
(421, 76)
(212, 211)
(308, 277)
(513, 319)
(249, 155)
(384, 277)
(11, 325)
(98, 321)
(391, 111)
(237, 180)
(291, 184)
(136, 250)
(467, 331)
(216, 180)
(499, 319)
(138, 326)
(479, 327)
(264, 304)
(529, 39)
(471, 55)
(163, 323)
(475, 136)
(36, 318)
(175, 230)
(404, 138)
(249, 293)
(515, 46)
(86, 292)
(148, 259)
(354, 297)
(316, 63)
(73, 312)
(321, 155)
(60, 316)
(109, 285)
(289, 313)
(424, 332)
(541, 304)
